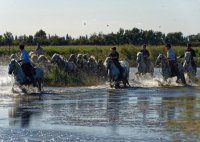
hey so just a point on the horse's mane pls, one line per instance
(187, 53)
(106, 60)
(14, 61)
(139, 53)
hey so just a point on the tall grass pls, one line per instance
(56, 77)
(127, 52)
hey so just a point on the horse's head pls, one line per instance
(85, 56)
(31, 53)
(56, 58)
(92, 59)
(107, 62)
(159, 58)
(139, 57)
(42, 59)
(13, 56)
(34, 58)
(92, 63)
(72, 57)
(12, 66)
(79, 57)
(187, 57)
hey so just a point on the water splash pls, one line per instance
(156, 81)
(6, 81)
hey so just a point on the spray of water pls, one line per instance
(156, 80)
(6, 81)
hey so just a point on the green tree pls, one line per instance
(40, 37)
(175, 38)
(8, 38)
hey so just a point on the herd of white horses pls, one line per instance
(81, 62)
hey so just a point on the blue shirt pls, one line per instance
(24, 56)
(171, 55)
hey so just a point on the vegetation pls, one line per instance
(56, 77)
(134, 36)
(127, 52)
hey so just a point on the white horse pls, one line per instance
(13, 56)
(92, 63)
(187, 65)
(166, 70)
(143, 67)
(82, 62)
(44, 63)
(72, 58)
(21, 79)
(114, 73)
(67, 66)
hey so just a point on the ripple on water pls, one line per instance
(99, 113)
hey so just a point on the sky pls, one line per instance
(81, 17)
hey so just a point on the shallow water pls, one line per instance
(145, 112)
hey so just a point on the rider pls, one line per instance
(146, 55)
(114, 55)
(189, 49)
(39, 51)
(171, 56)
(26, 65)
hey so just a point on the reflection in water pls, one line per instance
(113, 108)
(183, 115)
(20, 114)
(167, 111)
(143, 106)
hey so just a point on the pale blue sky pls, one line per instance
(68, 16)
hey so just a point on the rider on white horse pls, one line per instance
(193, 54)
(26, 65)
(171, 56)
(114, 55)
(146, 55)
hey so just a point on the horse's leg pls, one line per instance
(39, 85)
(151, 74)
(117, 84)
(182, 77)
(126, 82)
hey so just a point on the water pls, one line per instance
(145, 112)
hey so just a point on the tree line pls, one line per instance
(135, 37)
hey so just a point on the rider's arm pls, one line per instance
(114, 57)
